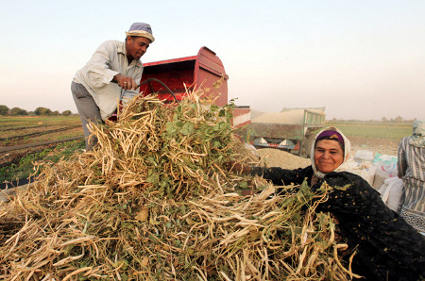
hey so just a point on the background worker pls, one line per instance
(111, 74)
(411, 168)
(386, 246)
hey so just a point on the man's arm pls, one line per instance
(99, 71)
(401, 159)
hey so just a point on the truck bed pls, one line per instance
(289, 124)
(288, 130)
(277, 130)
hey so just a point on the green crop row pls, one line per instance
(25, 166)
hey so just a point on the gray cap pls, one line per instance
(141, 29)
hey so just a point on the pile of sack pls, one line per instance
(380, 171)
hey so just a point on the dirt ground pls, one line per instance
(377, 145)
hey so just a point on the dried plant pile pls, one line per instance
(157, 200)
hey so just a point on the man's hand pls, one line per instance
(125, 82)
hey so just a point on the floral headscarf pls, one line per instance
(418, 137)
(336, 134)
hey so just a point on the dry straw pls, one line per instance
(157, 200)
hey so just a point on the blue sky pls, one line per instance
(360, 59)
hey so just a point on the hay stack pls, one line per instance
(157, 200)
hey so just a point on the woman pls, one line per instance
(387, 247)
(411, 168)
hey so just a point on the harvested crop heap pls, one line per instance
(157, 200)
(278, 158)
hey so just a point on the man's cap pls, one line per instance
(141, 29)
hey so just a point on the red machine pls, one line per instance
(203, 70)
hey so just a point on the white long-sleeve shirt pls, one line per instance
(96, 76)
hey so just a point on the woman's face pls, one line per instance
(328, 155)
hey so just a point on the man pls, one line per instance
(111, 74)
(411, 168)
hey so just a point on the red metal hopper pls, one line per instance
(203, 70)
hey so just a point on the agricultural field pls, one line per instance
(27, 139)
(380, 137)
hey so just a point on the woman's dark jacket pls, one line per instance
(387, 247)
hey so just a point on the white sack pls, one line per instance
(391, 192)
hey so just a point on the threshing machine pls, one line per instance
(202, 70)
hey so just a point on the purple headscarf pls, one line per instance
(331, 135)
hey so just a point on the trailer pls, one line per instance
(290, 130)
